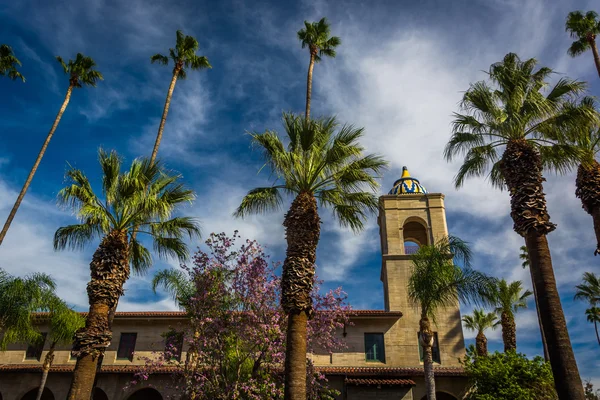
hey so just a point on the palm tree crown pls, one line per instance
(321, 159)
(510, 298)
(584, 28)
(81, 71)
(176, 283)
(514, 109)
(144, 197)
(593, 314)
(436, 281)
(480, 320)
(9, 63)
(183, 56)
(316, 36)
(589, 290)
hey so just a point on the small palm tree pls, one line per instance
(525, 264)
(316, 36)
(509, 298)
(323, 164)
(435, 282)
(64, 322)
(177, 284)
(19, 297)
(479, 322)
(145, 196)
(80, 73)
(9, 63)
(511, 114)
(183, 56)
(584, 28)
(589, 291)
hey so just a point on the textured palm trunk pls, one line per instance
(481, 344)
(539, 316)
(48, 360)
(426, 339)
(522, 170)
(311, 65)
(596, 328)
(592, 41)
(509, 332)
(163, 119)
(109, 271)
(303, 227)
(587, 189)
(36, 164)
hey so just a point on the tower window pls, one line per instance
(374, 347)
(435, 350)
(410, 247)
(126, 346)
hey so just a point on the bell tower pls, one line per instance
(410, 217)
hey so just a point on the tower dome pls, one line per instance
(407, 185)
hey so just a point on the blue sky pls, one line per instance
(399, 73)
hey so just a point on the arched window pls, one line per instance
(146, 394)
(32, 394)
(414, 233)
(99, 394)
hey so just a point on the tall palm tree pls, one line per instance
(9, 63)
(145, 196)
(512, 114)
(589, 291)
(524, 256)
(183, 56)
(509, 298)
(584, 28)
(19, 297)
(176, 283)
(64, 322)
(316, 36)
(436, 281)
(593, 316)
(81, 73)
(322, 163)
(479, 322)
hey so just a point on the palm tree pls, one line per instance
(593, 315)
(176, 283)
(509, 298)
(589, 291)
(435, 282)
(80, 73)
(183, 56)
(479, 322)
(145, 196)
(512, 114)
(64, 322)
(19, 297)
(321, 164)
(9, 63)
(316, 36)
(584, 28)
(525, 264)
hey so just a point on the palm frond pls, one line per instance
(75, 237)
(176, 283)
(259, 201)
(170, 247)
(139, 257)
(159, 58)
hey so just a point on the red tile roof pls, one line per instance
(124, 369)
(395, 382)
(389, 371)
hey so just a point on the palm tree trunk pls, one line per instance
(509, 332)
(109, 271)
(302, 225)
(46, 369)
(539, 316)
(13, 212)
(597, 335)
(311, 65)
(592, 41)
(587, 188)
(426, 339)
(163, 119)
(481, 344)
(522, 171)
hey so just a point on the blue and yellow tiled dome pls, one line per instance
(407, 185)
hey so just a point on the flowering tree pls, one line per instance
(236, 336)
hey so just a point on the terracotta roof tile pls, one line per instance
(389, 371)
(124, 369)
(395, 382)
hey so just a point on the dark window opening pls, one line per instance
(374, 347)
(173, 345)
(126, 346)
(34, 350)
(435, 350)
